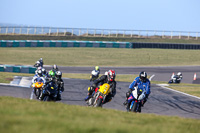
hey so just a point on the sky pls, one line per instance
(169, 15)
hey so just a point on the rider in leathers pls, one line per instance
(60, 84)
(109, 78)
(142, 82)
(49, 85)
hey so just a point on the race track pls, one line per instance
(161, 101)
(161, 73)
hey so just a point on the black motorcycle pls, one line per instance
(50, 93)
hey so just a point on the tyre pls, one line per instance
(134, 107)
(99, 102)
(46, 98)
(37, 93)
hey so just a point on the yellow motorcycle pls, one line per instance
(99, 96)
(37, 88)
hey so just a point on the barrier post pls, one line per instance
(188, 35)
(13, 31)
(171, 34)
(72, 32)
(6, 30)
(49, 31)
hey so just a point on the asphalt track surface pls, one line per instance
(161, 73)
(161, 101)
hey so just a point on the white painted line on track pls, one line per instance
(14, 85)
(178, 91)
(151, 77)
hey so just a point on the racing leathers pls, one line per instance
(142, 85)
(60, 85)
(100, 81)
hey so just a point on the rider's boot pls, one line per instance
(41, 97)
(125, 103)
(128, 106)
(88, 97)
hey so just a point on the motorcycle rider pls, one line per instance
(39, 63)
(176, 78)
(38, 78)
(55, 68)
(49, 85)
(50, 75)
(142, 82)
(44, 72)
(95, 73)
(60, 84)
(109, 78)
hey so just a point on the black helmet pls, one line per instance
(143, 76)
(59, 74)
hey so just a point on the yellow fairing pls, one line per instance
(105, 89)
(88, 88)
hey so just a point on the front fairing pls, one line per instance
(50, 90)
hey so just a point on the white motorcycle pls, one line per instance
(136, 98)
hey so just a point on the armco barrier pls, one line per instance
(59, 43)
(166, 46)
(17, 69)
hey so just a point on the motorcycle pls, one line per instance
(175, 79)
(99, 96)
(37, 88)
(50, 94)
(136, 98)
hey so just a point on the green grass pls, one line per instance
(100, 56)
(193, 89)
(6, 77)
(22, 116)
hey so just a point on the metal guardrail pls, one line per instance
(86, 32)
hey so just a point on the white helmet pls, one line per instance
(179, 73)
(37, 62)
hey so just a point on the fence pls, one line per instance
(86, 32)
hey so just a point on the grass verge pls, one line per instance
(22, 116)
(6, 77)
(100, 56)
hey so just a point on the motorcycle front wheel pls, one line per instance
(99, 102)
(133, 109)
(37, 93)
(46, 98)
